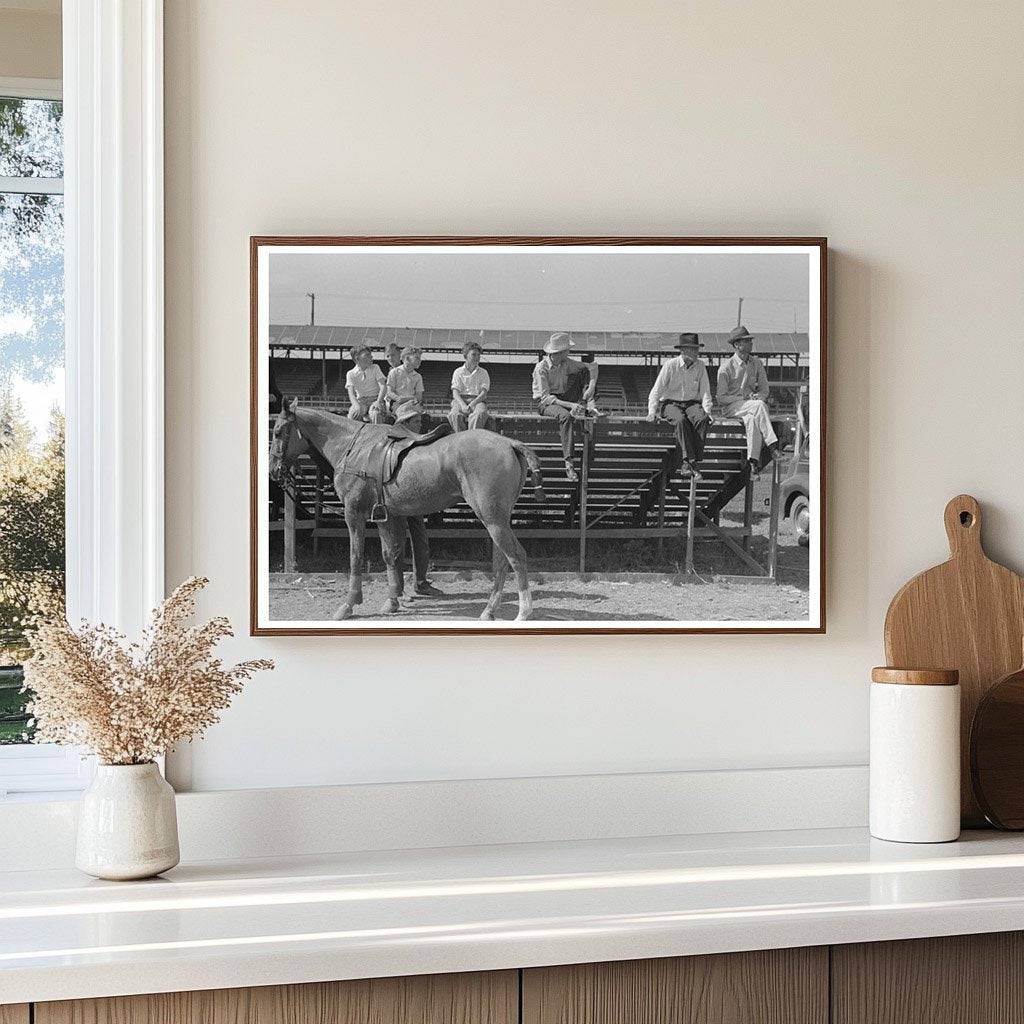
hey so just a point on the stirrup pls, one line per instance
(379, 513)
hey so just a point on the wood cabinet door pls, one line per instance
(960, 979)
(480, 998)
(14, 1013)
(777, 986)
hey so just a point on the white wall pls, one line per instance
(895, 129)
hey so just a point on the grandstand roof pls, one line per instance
(441, 340)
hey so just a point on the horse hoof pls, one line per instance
(487, 615)
(522, 618)
(344, 612)
(390, 606)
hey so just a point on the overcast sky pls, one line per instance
(542, 290)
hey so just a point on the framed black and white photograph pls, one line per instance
(537, 435)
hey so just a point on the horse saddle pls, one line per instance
(375, 452)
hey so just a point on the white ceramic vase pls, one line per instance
(127, 825)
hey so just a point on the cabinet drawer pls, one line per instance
(777, 986)
(480, 998)
(961, 979)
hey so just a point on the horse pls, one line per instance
(484, 469)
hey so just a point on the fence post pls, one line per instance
(289, 531)
(662, 492)
(691, 512)
(584, 479)
(773, 521)
(748, 511)
(318, 509)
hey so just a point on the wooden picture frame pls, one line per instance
(806, 378)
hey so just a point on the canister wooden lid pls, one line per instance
(916, 676)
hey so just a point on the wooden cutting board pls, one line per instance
(997, 752)
(967, 614)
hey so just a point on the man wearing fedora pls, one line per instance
(743, 392)
(682, 395)
(562, 391)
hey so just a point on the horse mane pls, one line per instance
(321, 460)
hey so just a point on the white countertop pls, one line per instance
(261, 922)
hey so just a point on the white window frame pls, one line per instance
(114, 325)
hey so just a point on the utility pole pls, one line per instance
(739, 312)
(312, 308)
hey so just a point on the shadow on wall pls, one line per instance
(854, 286)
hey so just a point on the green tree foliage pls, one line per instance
(31, 526)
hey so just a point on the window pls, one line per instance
(92, 172)
(31, 415)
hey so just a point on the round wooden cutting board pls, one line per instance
(997, 752)
(967, 614)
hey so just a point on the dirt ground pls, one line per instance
(556, 595)
(655, 590)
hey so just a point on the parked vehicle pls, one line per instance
(796, 501)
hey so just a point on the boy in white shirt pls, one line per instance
(381, 413)
(470, 385)
(682, 395)
(365, 385)
(405, 390)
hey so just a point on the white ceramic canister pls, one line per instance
(915, 755)
(127, 825)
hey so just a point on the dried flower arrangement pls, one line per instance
(129, 703)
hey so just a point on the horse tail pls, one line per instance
(530, 462)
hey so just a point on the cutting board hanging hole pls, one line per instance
(963, 525)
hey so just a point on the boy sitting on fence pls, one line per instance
(470, 384)
(405, 390)
(365, 385)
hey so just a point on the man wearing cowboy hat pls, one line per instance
(559, 390)
(743, 392)
(682, 395)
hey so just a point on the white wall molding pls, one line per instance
(238, 824)
(31, 88)
(41, 771)
(113, 103)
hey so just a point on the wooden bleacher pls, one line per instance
(634, 488)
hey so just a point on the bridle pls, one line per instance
(279, 443)
(282, 439)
